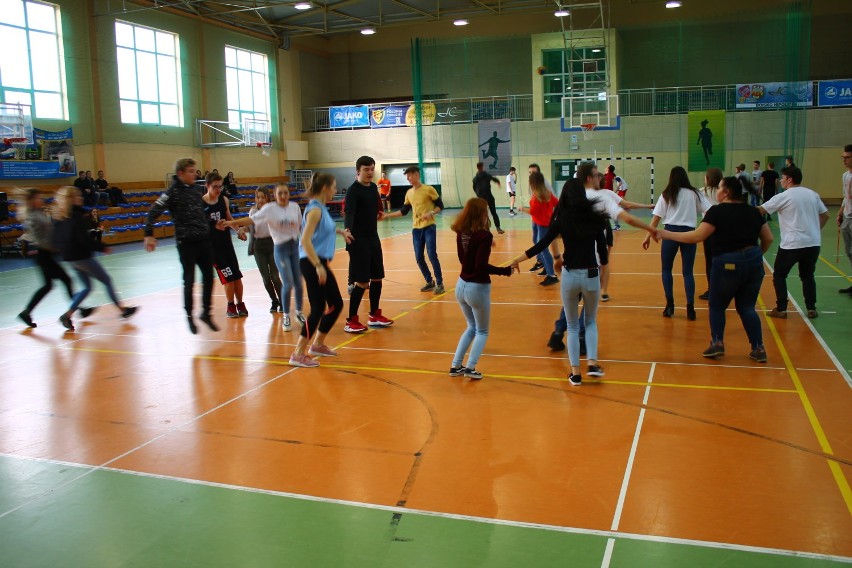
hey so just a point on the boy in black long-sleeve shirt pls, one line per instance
(482, 188)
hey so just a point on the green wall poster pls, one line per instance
(706, 140)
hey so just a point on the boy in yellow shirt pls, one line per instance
(426, 203)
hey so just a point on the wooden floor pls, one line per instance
(667, 445)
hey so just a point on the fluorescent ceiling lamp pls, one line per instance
(461, 22)
(368, 31)
(557, 79)
(561, 13)
(303, 6)
(674, 4)
(596, 51)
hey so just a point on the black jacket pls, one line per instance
(482, 184)
(187, 209)
(72, 236)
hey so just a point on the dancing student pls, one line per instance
(712, 179)
(284, 220)
(482, 188)
(680, 205)
(473, 289)
(316, 250)
(38, 228)
(192, 234)
(426, 203)
(538, 264)
(262, 247)
(542, 205)
(218, 211)
(76, 246)
(366, 262)
(737, 271)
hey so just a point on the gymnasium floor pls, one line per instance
(137, 444)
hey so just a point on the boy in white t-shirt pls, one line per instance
(511, 183)
(620, 188)
(801, 214)
(844, 215)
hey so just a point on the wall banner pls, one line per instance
(495, 146)
(834, 93)
(775, 95)
(349, 116)
(706, 140)
(390, 116)
(52, 156)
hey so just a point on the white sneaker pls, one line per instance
(286, 323)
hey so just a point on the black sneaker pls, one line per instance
(690, 312)
(705, 295)
(66, 322)
(604, 297)
(192, 327)
(457, 371)
(543, 272)
(428, 287)
(536, 266)
(274, 307)
(208, 320)
(128, 311)
(716, 349)
(472, 374)
(549, 281)
(25, 317)
(555, 342)
(575, 380)
(595, 371)
(758, 354)
(86, 312)
(846, 290)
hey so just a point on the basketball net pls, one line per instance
(265, 147)
(587, 130)
(20, 146)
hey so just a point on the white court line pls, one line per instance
(625, 482)
(453, 516)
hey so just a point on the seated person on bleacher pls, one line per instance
(229, 186)
(87, 186)
(116, 196)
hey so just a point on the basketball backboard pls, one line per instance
(599, 109)
(16, 122)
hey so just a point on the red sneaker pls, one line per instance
(354, 326)
(378, 320)
(232, 311)
(242, 311)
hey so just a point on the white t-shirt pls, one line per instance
(285, 223)
(847, 194)
(261, 230)
(605, 201)
(798, 210)
(511, 181)
(689, 207)
(755, 177)
(621, 183)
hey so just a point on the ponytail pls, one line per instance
(319, 181)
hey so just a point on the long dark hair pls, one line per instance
(575, 213)
(738, 187)
(678, 179)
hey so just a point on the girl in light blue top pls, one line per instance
(316, 249)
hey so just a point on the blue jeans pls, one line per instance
(736, 276)
(561, 325)
(287, 261)
(87, 269)
(475, 302)
(544, 257)
(425, 238)
(668, 250)
(576, 283)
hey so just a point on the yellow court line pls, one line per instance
(839, 478)
(834, 268)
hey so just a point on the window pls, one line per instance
(148, 75)
(572, 73)
(38, 81)
(247, 78)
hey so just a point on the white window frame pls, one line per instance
(29, 96)
(134, 108)
(237, 111)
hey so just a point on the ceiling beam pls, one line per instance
(413, 9)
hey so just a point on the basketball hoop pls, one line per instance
(20, 146)
(265, 147)
(587, 130)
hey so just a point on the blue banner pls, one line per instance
(50, 157)
(349, 116)
(834, 93)
(775, 95)
(390, 116)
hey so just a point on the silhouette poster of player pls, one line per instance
(706, 140)
(495, 146)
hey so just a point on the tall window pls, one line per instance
(148, 75)
(31, 69)
(248, 86)
(572, 73)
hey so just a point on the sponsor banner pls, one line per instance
(834, 93)
(390, 116)
(52, 156)
(775, 95)
(452, 112)
(427, 115)
(706, 140)
(349, 116)
(495, 146)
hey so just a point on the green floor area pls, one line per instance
(74, 517)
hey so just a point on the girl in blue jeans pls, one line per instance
(473, 289)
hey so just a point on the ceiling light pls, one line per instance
(303, 6)
(561, 13)
(674, 4)
(461, 22)
(368, 31)
(596, 51)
